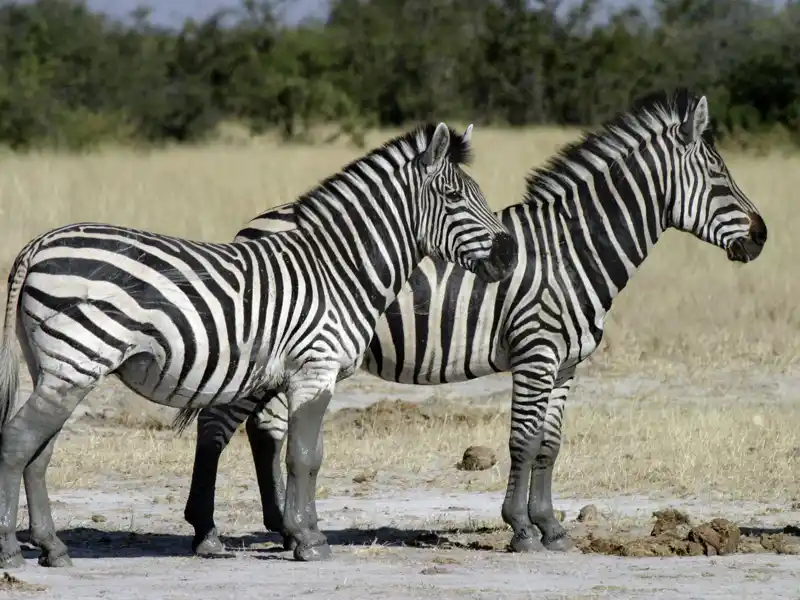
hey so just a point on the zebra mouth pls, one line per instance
(502, 259)
(744, 250)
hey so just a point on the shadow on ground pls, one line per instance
(671, 536)
(88, 542)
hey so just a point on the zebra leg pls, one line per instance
(43, 530)
(531, 392)
(303, 460)
(540, 502)
(215, 428)
(266, 428)
(28, 439)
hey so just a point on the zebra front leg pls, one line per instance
(266, 428)
(27, 439)
(215, 428)
(528, 407)
(540, 502)
(303, 460)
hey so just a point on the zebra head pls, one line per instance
(707, 202)
(455, 221)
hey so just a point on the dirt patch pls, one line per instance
(674, 535)
(493, 539)
(9, 583)
(389, 416)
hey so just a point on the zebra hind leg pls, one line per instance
(43, 530)
(215, 428)
(26, 446)
(303, 460)
(540, 502)
(266, 441)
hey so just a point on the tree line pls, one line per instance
(72, 78)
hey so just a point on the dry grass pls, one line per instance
(687, 306)
(624, 447)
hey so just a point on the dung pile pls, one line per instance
(672, 535)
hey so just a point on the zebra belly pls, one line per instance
(146, 376)
(432, 360)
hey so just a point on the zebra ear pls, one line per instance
(696, 121)
(437, 149)
(467, 137)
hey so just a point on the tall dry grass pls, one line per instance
(687, 306)
(639, 445)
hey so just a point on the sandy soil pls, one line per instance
(130, 554)
(128, 538)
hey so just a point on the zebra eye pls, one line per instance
(454, 195)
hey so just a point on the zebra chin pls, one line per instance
(501, 261)
(748, 247)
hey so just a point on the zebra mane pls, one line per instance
(399, 151)
(620, 135)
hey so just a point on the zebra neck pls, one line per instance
(371, 246)
(605, 240)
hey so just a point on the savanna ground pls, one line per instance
(690, 403)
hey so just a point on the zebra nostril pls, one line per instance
(759, 236)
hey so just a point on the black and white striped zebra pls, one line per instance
(190, 324)
(588, 220)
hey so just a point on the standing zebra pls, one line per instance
(586, 223)
(189, 324)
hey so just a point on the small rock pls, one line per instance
(365, 476)
(478, 458)
(434, 570)
(98, 519)
(588, 514)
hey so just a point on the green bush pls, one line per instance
(73, 79)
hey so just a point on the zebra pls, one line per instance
(588, 219)
(189, 324)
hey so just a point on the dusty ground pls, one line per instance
(417, 526)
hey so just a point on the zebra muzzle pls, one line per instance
(502, 259)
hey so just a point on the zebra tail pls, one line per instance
(184, 418)
(9, 356)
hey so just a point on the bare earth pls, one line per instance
(395, 536)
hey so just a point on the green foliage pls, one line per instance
(72, 78)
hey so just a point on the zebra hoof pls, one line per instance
(559, 544)
(55, 561)
(525, 544)
(210, 546)
(310, 553)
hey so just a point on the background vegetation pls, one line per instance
(73, 78)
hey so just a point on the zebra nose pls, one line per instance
(758, 229)
(504, 252)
